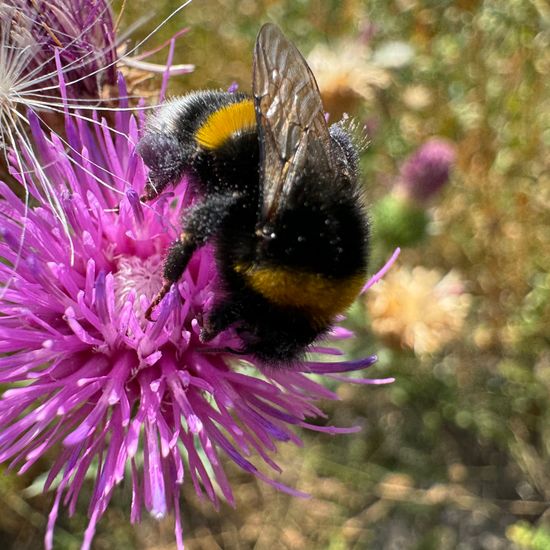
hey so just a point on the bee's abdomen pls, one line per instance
(320, 296)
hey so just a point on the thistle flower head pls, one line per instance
(58, 58)
(427, 170)
(91, 377)
(82, 34)
(346, 76)
(419, 309)
(54, 55)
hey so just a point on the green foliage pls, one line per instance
(529, 537)
(398, 222)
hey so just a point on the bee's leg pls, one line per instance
(176, 261)
(200, 223)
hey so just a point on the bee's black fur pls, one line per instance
(322, 229)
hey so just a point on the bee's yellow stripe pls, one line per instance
(323, 298)
(225, 122)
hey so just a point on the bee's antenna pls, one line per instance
(158, 299)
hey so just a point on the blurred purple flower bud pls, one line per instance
(367, 31)
(427, 170)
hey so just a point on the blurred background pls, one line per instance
(455, 454)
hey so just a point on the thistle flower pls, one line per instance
(89, 376)
(427, 170)
(401, 216)
(419, 309)
(40, 40)
(82, 32)
(57, 58)
(346, 75)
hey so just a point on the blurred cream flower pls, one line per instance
(346, 75)
(419, 309)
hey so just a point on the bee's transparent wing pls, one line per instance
(291, 121)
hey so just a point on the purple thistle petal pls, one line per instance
(344, 366)
(332, 430)
(367, 381)
(380, 274)
(167, 72)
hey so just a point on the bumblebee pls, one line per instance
(278, 196)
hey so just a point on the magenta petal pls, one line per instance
(344, 366)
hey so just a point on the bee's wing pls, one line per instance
(290, 117)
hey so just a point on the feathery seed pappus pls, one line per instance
(279, 198)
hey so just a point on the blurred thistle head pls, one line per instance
(346, 76)
(115, 395)
(32, 34)
(419, 308)
(428, 169)
(39, 42)
(57, 59)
